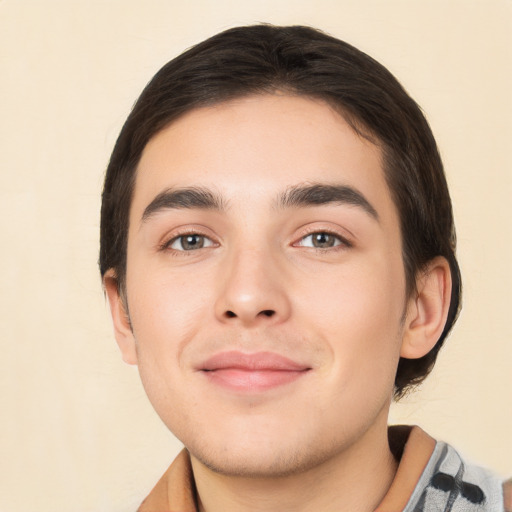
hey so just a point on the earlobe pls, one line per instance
(120, 319)
(427, 310)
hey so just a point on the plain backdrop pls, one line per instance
(77, 432)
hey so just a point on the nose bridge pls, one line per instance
(252, 290)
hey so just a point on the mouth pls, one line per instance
(252, 372)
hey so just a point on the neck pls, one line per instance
(355, 480)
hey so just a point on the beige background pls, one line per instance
(76, 431)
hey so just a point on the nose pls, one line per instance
(252, 291)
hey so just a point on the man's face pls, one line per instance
(267, 308)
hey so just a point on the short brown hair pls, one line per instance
(301, 60)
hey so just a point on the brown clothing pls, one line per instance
(412, 447)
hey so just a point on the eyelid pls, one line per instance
(173, 241)
(345, 241)
(177, 233)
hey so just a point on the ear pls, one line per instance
(427, 310)
(120, 318)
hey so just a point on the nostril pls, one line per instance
(266, 312)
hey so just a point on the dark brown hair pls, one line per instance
(300, 60)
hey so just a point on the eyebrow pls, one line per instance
(185, 198)
(316, 194)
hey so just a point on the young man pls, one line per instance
(278, 251)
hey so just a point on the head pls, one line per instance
(304, 62)
(277, 247)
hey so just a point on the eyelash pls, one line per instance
(342, 245)
(343, 242)
(166, 246)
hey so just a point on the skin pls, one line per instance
(258, 284)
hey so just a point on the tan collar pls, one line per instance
(413, 448)
(175, 491)
(507, 495)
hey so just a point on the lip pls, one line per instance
(252, 372)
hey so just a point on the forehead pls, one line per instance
(250, 148)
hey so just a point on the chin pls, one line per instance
(261, 466)
(261, 456)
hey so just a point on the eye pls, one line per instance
(322, 240)
(189, 242)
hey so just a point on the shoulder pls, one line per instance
(450, 480)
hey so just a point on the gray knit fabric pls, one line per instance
(448, 484)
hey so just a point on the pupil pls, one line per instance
(192, 242)
(323, 240)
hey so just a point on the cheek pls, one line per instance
(358, 311)
(167, 311)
